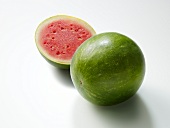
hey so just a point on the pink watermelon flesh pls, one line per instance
(61, 38)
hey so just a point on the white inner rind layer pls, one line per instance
(56, 18)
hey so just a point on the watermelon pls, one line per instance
(108, 68)
(58, 37)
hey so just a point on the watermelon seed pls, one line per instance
(62, 28)
(57, 53)
(63, 52)
(67, 46)
(52, 48)
(79, 38)
(83, 32)
(54, 31)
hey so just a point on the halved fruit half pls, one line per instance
(58, 37)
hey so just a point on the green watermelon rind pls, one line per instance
(53, 61)
(99, 62)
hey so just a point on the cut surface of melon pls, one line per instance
(58, 37)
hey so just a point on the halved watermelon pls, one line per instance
(58, 37)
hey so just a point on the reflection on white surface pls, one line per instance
(130, 114)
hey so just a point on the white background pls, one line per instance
(34, 94)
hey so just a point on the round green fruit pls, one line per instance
(108, 68)
(58, 37)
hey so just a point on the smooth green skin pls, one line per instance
(108, 68)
